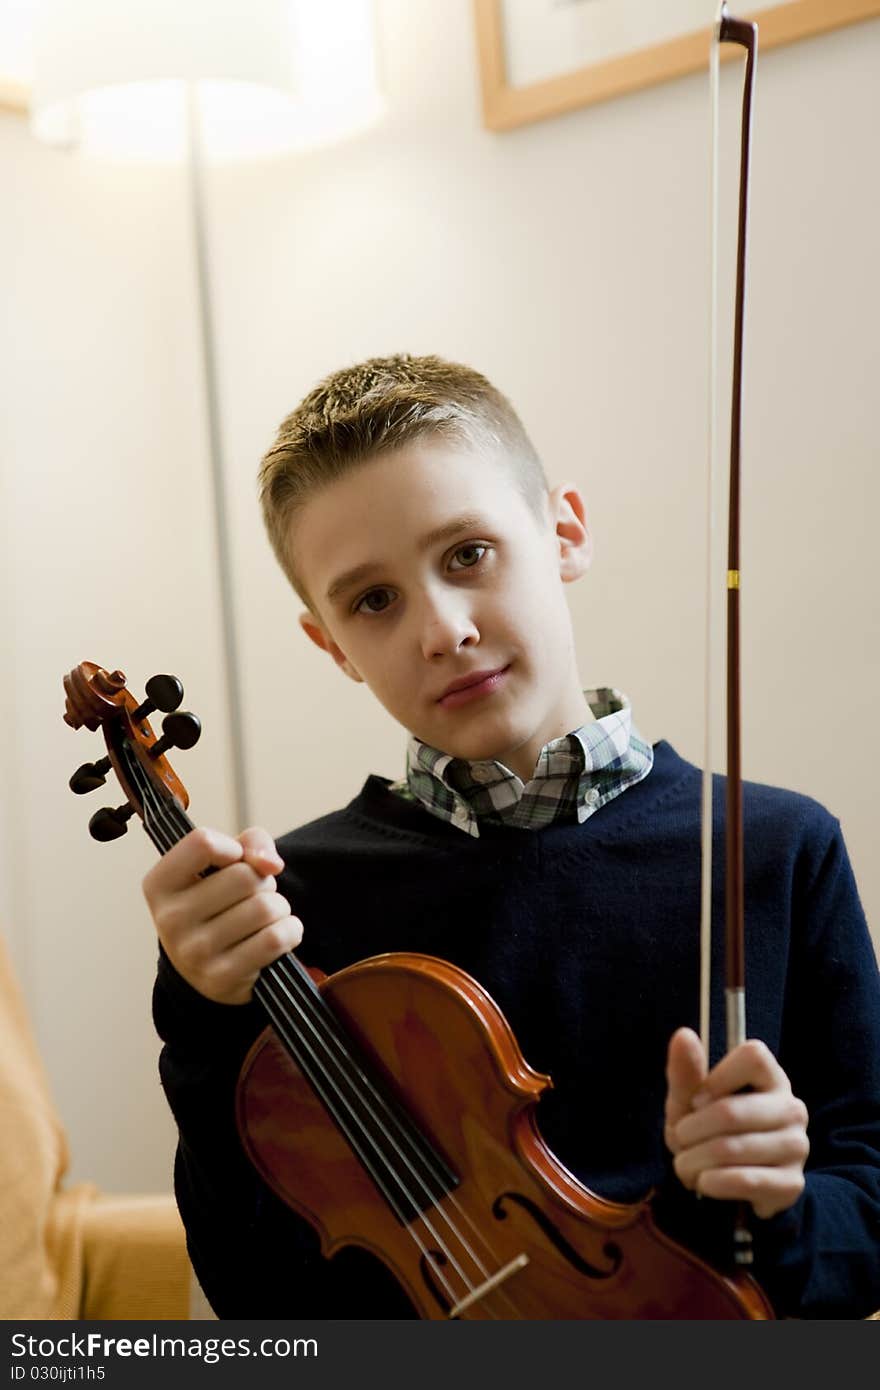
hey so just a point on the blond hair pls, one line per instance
(377, 406)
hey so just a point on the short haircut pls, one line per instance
(378, 406)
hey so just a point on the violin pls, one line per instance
(390, 1106)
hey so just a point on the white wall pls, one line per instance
(566, 260)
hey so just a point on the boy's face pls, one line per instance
(426, 567)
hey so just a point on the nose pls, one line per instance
(446, 624)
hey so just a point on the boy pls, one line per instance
(541, 845)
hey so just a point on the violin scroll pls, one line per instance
(98, 699)
(93, 695)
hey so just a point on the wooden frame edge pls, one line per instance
(14, 96)
(505, 107)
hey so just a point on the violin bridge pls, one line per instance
(519, 1262)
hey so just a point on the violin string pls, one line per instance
(163, 840)
(320, 1019)
(165, 834)
(183, 826)
(288, 965)
(312, 1010)
(318, 1069)
(297, 1047)
(320, 1023)
(325, 1023)
(434, 1199)
(281, 1023)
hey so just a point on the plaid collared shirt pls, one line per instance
(574, 776)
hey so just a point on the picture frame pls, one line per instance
(529, 57)
(14, 95)
(17, 19)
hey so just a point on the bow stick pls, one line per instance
(745, 34)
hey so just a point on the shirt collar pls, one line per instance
(574, 776)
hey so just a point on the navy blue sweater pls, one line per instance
(586, 936)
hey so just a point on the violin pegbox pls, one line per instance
(98, 699)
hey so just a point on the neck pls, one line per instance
(570, 712)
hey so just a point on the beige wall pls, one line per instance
(566, 260)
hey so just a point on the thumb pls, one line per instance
(686, 1068)
(259, 851)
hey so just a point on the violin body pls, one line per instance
(518, 1236)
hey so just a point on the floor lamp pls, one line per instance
(204, 80)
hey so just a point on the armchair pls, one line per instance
(67, 1250)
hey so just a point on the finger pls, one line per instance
(267, 945)
(756, 1110)
(203, 943)
(202, 848)
(231, 974)
(750, 1064)
(259, 850)
(208, 897)
(769, 1149)
(768, 1190)
(685, 1072)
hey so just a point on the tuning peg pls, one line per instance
(89, 777)
(109, 824)
(181, 730)
(163, 692)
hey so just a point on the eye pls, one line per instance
(366, 604)
(470, 554)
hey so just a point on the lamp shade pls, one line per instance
(109, 75)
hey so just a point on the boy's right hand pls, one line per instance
(220, 931)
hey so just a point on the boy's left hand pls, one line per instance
(749, 1147)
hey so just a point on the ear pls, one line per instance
(314, 628)
(568, 519)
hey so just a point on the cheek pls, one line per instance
(545, 623)
(382, 669)
(530, 609)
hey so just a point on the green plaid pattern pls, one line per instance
(574, 776)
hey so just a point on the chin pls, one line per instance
(483, 747)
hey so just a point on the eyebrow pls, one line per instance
(468, 522)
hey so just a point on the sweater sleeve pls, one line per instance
(821, 1258)
(253, 1256)
(218, 1193)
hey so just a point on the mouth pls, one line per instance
(474, 687)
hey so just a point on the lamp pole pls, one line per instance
(229, 635)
